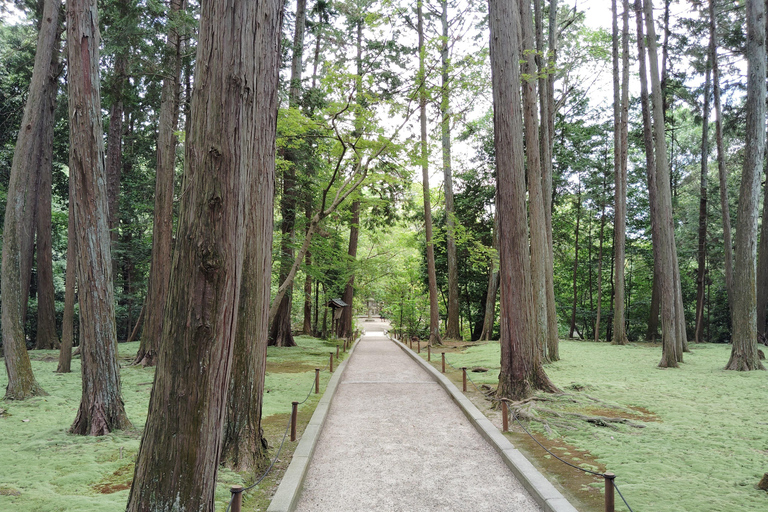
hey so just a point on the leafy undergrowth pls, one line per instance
(45, 468)
(694, 438)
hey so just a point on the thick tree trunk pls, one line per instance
(21, 203)
(744, 354)
(47, 338)
(620, 191)
(701, 256)
(452, 330)
(539, 244)
(345, 322)
(762, 254)
(162, 224)
(68, 320)
(114, 158)
(434, 310)
(575, 264)
(244, 446)
(521, 368)
(225, 152)
(671, 347)
(101, 406)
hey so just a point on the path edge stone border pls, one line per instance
(540, 489)
(287, 495)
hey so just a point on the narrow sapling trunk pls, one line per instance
(744, 355)
(68, 320)
(575, 263)
(345, 322)
(701, 256)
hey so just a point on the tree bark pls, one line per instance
(538, 233)
(47, 338)
(547, 109)
(744, 354)
(244, 446)
(701, 256)
(68, 320)
(671, 347)
(434, 310)
(762, 255)
(620, 188)
(21, 204)
(225, 152)
(521, 368)
(600, 262)
(162, 224)
(101, 407)
(452, 330)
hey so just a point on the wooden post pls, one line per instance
(331, 363)
(609, 505)
(443, 354)
(504, 417)
(294, 419)
(464, 378)
(237, 498)
(317, 380)
(429, 352)
(418, 346)
(337, 352)
(411, 343)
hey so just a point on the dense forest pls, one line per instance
(179, 174)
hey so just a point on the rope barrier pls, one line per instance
(514, 416)
(280, 448)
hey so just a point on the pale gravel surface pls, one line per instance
(395, 441)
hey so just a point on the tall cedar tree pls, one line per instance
(244, 446)
(538, 233)
(671, 343)
(101, 405)
(744, 354)
(434, 311)
(28, 157)
(452, 330)
(162, 226)
(521, 368)
(620, 184)
(701, 253)
(237, 70)
(280, 333)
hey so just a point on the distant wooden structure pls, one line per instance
(337, 305)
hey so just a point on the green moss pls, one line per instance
(45, 468)
(704, 445)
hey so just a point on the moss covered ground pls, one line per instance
(703, 445)
(43, 468)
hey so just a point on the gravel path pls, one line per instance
(395, 441)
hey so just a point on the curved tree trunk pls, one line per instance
(47, 338)
(237, 58)
(162, 224)
(21, 203)
(744, 354)
(521, 368)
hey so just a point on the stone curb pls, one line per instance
(287, 495)
(541, 489)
